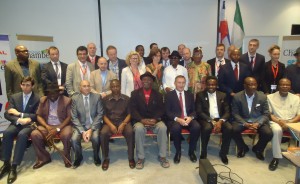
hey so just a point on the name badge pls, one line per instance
(273, 87)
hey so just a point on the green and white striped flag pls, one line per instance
(238, 33)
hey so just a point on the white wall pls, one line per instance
(127, 23)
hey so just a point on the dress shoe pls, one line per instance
(68, 165)
(132, 164)
(77, 162)
(203, 155)
(105, 164)
(4, 170)
(177, 157)
(97, 161)
(273, 165)
(12, 176)
(40, 164)
(193, 157)
(224, 159)
(258, 154)
(241, 153)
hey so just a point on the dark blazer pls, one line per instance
(140, 110)
(49, 75)
(258, 69)
(212, 63)
(121, 64)
(259, 110)
(96, 61)
(268, 77)
(16, 102)
(202, 106)
(227, 80)
(173, 105)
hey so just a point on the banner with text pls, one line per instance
(289, 46)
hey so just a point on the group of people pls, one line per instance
(94, 98)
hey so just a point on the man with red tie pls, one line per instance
(92, 57)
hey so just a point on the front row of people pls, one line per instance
(81, 118)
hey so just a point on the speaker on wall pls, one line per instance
(295, 29)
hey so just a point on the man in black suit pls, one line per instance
(213, 113)
(54, 71)
(254, 60)
(250, 110)
(115, 64)
(180, 111)
(231, 75)
(92, 57)
(219, 60)
(20, 112)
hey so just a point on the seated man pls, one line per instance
(146, 111)
(213, 112)
(250, 111)
(180, 111)
(54, 117)
(284, 108)
(86, 114)
(116, 121)
(20, 112)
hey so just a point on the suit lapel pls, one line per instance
(245, 103)
(18, 68)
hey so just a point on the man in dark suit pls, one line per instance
(213, 113)
(21, 112)
(115, 64)
(250, 111)
(219, 60)
(231, 75)
(146, 112)
(254, 60)
(54, 71)
(87, 111)
(180, 111)
(92, 57)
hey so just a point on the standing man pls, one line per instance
(92, 57)
(20, 112)
(213, 112)
(144, 60)
(147, 110)
(180, 110)
(54, 118)
(186, 57)
(116, 121)
(250, 111)
(21, 67)
(100, 78)
(292, 72)
(55, 70)
(165, 52)
(87, 112)
(180, 49)
(115, 64)
(219, 60)
(78, 71)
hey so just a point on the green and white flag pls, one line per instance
(238, 33)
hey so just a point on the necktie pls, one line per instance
(87, 113)
(236, 72)
(252, 62)
(84, 71)
(181, 105)
(57, 71)
(25, 102)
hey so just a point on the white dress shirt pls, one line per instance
(170, 73)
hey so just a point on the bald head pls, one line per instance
(235, 55)
(91, 49)
(85, 87)
(22, 53)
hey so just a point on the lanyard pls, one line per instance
(275, 72)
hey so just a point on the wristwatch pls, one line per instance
(58, 129)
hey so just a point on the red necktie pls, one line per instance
(236, 72)
(181, 105)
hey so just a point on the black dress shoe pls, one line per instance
(224, 159)
(177, 157)
(258, 154)
(97, 161)
(193, 157)
(273, 165)
(203, 155)
(40, 164)
(4, 170)
(12, 176)
(77, 162)
(241, 153)
(105, 164)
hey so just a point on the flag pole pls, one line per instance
(218, 20)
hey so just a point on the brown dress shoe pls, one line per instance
(40, 164)
(105, 164)
(132, 164)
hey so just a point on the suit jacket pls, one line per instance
(63, 108)
(127, 84)
(258, 69)
(212, 63)
(121, 64)
(202, 106)
(73, 77)
(140, 110)
(259, 110)
(14, 75)
(96, 61)
(268, 77)
(173, 105)
(78, 112)
(16, 102)
(49, 74)
(227, 80)
(96, 81)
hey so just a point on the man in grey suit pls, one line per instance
(250, 111)
(21, 112)
(87, 112)
(78, 71)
